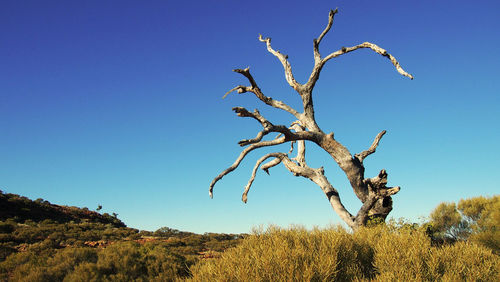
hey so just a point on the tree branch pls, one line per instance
(265, 167)
(254, 88)
(278, 156)
(318, 177)
(291, 147)
(257, 138)
(316, 42)
(375, 48)
(361, 156)
(315, 175)
(269, 127)
(284, 61)
(242, 112)
(239, 89)
(241, 157)
(301, 147)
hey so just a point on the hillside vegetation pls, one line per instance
(40, 241)
(19, 209)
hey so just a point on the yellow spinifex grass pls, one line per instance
(334, 254)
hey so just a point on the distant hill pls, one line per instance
(40, 241)
(20, 209)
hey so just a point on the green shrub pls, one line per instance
(475, 219)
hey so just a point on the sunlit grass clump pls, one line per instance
(378, 253)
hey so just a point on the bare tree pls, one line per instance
(373, 192)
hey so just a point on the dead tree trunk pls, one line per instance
(372, 192)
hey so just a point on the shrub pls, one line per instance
(128, 261)
(474, 219)
(399, 254)
(463, 261)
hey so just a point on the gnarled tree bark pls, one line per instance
(372, 192)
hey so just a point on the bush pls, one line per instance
(463, 261)
(130, 261)
(290, 255)
(474, 219)
(399, 254)
(123, 261)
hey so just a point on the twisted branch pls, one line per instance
(241, 157)
(316, 42)
(272, 163)
(375, 48)
(269, 127)
(277, 156)
(288, 135)
(318, 176)
(319, 63)
(254, 88)
(284, 61)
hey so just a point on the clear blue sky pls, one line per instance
(119, 103)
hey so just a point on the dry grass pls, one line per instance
(372, 254)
